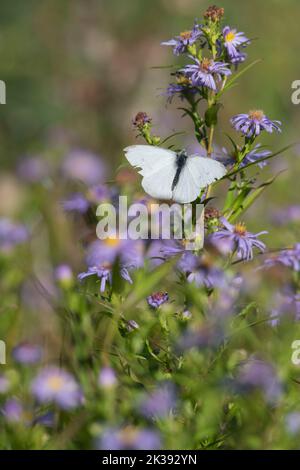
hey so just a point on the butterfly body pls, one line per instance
(170, 175)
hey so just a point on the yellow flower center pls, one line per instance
(55, 383)
(112, 242)
(240, 228)
(230, 36)
(186, 34)
(256, 114)
(205, 64)
(182, 80)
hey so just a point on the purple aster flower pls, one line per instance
(182, 87)
(84, 166)
(206, 72)
(56, 385)
(63, 274)
(130, 252)
(185, 39)
(289, 258)
(129, 438)
(160, 402)
(254, 156)
(253, 123)
(257, 374)
(157, 299)
(238, 239)
(292, 422)
(201, 271)
(32, 169)
(4, 384)
(76, 203)
(104, 273)
(286, 306)
(233, 40)
(107, 377)
(12, 411)
(46, 419)
(26, 353)
(11, 234)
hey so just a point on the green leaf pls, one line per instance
(230, 82)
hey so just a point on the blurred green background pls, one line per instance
(78, 71)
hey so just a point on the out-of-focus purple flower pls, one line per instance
(233, 40)
(289, 258)
(130, 252)
(4, 384)
(205, 337)
(76, 203)
(132, 325)
(253, 123)
(129, 438)
(26, 353)
(157, 299)
(201, 271)
(104, 273)
(257, 374)
(206, 72)
(11, 234)
(292, 422)
(46, 419)
(287, 215)
(84, 166)
(64, 274)
(99, 193)
(56, 385)
(160, 402)
(239, 239)
(32, 169)
(107, 378)
(286, 306)
(12, 411)
(185, 39)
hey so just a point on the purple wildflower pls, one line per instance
(182, 87)
(205, 337)
(232, 41)
(76, 203)
(287, 306)
(185, 39)
(12, 411)
(160, 402)
(26, 353)
(63, 274)
(238, 239)
(289, 258)
(84, 166)
(130, 252)
(287, 215)
(4, 384)
(11, 234)
(254, 156)
(206, 72)
(253, 123)
(257, 374)
(104, 273)
(58, 386)
(201, 271)
(107, 378)
(157, 299)
(32, 169)
(292, 422)
(129, 438)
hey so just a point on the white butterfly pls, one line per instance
(170, 175)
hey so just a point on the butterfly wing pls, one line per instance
(197, 173)
(149, 158)
(158, 168)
